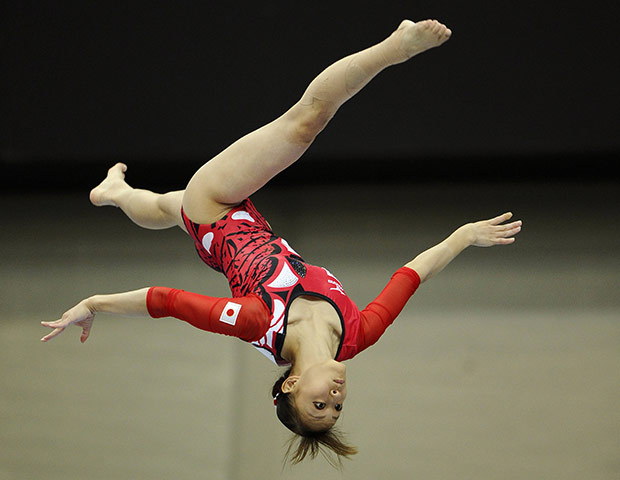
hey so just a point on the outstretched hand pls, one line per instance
(79, 315)
(494, 231)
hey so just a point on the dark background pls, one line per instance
(523, 90)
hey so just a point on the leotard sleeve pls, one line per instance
(380, 313)
(246, 317)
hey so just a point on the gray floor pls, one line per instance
(505, 366)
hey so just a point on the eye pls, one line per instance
(319, 405)
(338, 407)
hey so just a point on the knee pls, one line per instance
(308, 120)
(169, 205)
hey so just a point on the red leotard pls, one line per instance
(261, 265)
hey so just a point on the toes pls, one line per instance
(436, 27)
(427, 24)
(119, 168)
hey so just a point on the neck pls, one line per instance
(305, 354)
(310, 337)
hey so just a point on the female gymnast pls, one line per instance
(295, 313)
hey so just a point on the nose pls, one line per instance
(334, 392)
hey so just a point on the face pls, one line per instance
(319, 394)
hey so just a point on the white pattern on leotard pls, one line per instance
(207, 240)
(286, 278)
(277, 321)
(288, 247)
(242, 215)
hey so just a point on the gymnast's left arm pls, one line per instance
(380, 313)
(484, 233)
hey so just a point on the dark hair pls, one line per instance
(308, 441)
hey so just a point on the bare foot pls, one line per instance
(113, 183)
(413, 38)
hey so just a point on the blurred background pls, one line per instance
(506, 366)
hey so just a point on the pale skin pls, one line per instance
(317, 382)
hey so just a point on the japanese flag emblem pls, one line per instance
(230, 313)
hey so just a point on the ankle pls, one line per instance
(392, 47)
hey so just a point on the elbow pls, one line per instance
(423, 271)
(424, 275)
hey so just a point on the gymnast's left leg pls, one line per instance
(248, 164)
(147, 209)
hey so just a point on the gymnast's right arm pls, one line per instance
(244, 317)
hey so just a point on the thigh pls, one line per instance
(245, 166)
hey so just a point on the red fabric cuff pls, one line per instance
(382, 312)
(412, 274)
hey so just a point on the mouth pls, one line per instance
(339, 381)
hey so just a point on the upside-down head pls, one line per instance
(309, 405)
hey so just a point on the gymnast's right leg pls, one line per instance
(249, 163)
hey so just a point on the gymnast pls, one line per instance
(295, 313)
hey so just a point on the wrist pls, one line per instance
(464, 236)
(92, 303)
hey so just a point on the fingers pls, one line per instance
(54, 333)
(58, 326)
(85, 333)
(514, 227)
(500, 218)
(504, 241)
(508, 229)
(79, 315)
(495, 232)
(505, 233)
(58, 330)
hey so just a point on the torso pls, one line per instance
(305, 301)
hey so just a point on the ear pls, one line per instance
(289, 384)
